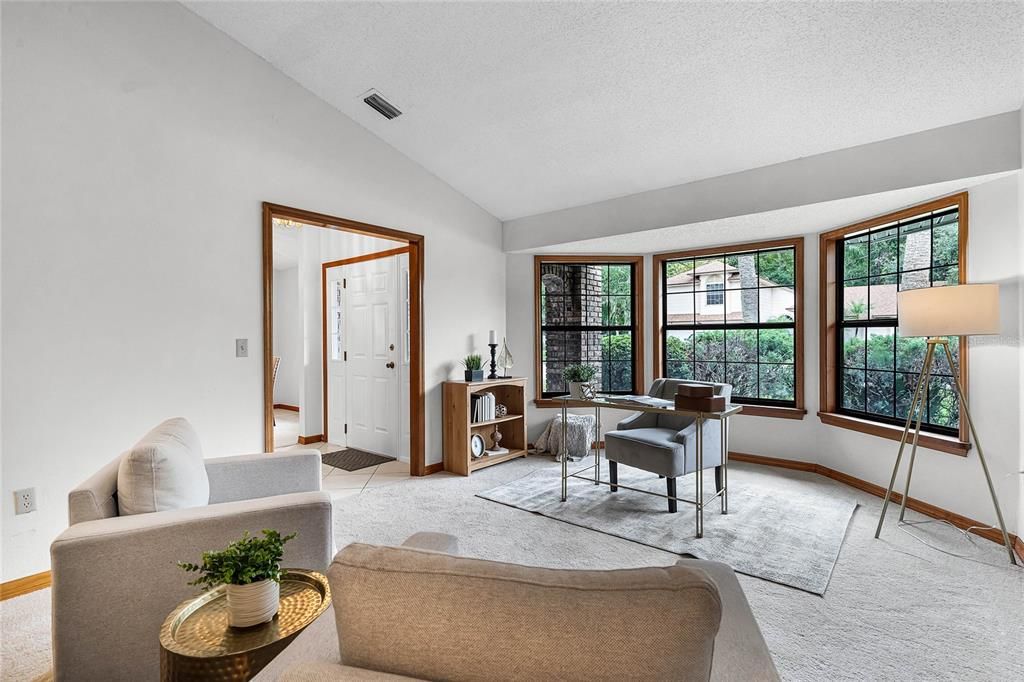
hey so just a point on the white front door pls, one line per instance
(337, 327)
(372, 343)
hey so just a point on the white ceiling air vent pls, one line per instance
(383, 107)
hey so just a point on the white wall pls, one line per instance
(952, 482)
(287, 336)
(139, 143)
(1020, 334)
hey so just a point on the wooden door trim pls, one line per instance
(377, 255)
(415, 246)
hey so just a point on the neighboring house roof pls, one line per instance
(883, 298)
(715, 267)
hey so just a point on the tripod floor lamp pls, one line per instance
(938, 312)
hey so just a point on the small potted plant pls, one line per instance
(474, 365)
(578, 376)
(250, 570)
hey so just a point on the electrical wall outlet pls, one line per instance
(24, 500)
(241, 348)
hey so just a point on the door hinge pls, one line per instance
(344, 283)
(346, 428)
(345, 356)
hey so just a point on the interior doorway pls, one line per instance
(367, 358)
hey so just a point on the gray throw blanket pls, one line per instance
(579, 436)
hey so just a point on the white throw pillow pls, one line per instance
(164, 470)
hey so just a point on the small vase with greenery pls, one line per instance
(578, 376)
(474, 365)
(250, 569)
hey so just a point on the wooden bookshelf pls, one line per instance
(458, 427)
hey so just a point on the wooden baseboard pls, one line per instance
(433, 468)
(30, 583)
(917, 505)
(283, 406)
(306, 440)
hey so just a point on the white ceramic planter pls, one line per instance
(576, 389)
(252, 604)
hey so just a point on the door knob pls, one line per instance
(390, 365)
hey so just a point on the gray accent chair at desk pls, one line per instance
(666, 444)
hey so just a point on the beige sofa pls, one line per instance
(419, 612)
(115, 578)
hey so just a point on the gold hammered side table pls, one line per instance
(196, 642)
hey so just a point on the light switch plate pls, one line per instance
(241, 348)
(24, 500)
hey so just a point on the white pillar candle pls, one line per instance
(494, 337)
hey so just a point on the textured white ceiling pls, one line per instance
(532, 107)
(785, 222)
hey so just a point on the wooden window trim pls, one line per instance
(827, 322)
(799, 410)
(639, 385)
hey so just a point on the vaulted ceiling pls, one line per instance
(532, 107)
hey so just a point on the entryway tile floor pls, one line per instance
(338, 482)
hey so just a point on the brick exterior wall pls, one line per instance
(573, 298)
(917, 254)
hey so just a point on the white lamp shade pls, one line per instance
(964, 310)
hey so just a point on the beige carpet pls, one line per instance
(895, 609)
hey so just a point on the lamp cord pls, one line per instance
(965, 532)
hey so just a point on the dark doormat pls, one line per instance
(353, 460)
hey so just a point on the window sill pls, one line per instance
(749, 410)
(931, 441)
(772, 411)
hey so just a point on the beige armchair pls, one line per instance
(115, 578)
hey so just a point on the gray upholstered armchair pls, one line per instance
(115, 578)
(666, 444)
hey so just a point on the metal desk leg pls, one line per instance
(597, 446)
(725, 464)
(700, 477)
(564, 454)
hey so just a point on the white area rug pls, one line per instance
(785, 529)
(895, 609)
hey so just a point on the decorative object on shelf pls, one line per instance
(493, 343)
(497, 449)
(505, 360)
(500, 411)
(477, 446)
(588, 391)
(250, 570)
(938, 313)
(474, 367)
(576, 376)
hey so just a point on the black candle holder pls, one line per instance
(494, 361)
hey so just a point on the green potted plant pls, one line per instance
(578, 376)
(474, 365)
(250, 570)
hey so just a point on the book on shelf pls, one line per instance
(496, 451)
(483, 407)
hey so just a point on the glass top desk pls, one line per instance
(645, 404)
